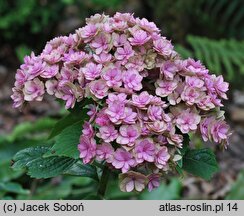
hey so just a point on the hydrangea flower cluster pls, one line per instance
(145, 97)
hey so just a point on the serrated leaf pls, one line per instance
(77, 114)
(200, 162)
(38, 166)
(49, 167)
(65, 122)
(66, 143)
(80, 169)
(25, 156)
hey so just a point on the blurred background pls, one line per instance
(210, 30)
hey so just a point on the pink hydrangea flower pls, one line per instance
(162, 157)
(141, 100)
(146, 25)
(105, 152)
(169, 69)
(194, 82)
(130, 116)
(51, 55)
(102, 119)
(165, 88)
(87, 148)
(205, 103)
(139, 38)
(123, 160)
(120, 25)
(158, 101)
(33, 66)
(175, 139)
(132, 181)
(101, 43)
(116, 107)
(88, 31)
(124, 53)
(187, 121)
(153, 181)
(191, 95)
(68, 93)
(74, 57)
(113, 77)
(132, 80)
(87, 130)
(51, 86)
(221, 87)
(145, 150)
(119, 40)
(99, 88)
(103, 58)
(108, 133)
(20, 78)
(155, 112)
(157, 127)
(92, 111)
(220, 131)
(128, 134)
(68, 75)
(163, 46)
(50, 71)
(18, 98)
(91, 71)
(33, 90)
(136, 63)
(112, 68)
(204, 128)
(195, 67)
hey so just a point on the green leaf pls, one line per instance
(49, 167)
(79, 169)
(66, 143)
(38, 166)
(186, 141)
(200, 162)
(78, 114)
(26, 156)
(164, 192)
(67, 121)
(13, 188)
(237, 189)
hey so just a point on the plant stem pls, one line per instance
(103, 182)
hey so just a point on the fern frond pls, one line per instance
(220, 56)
